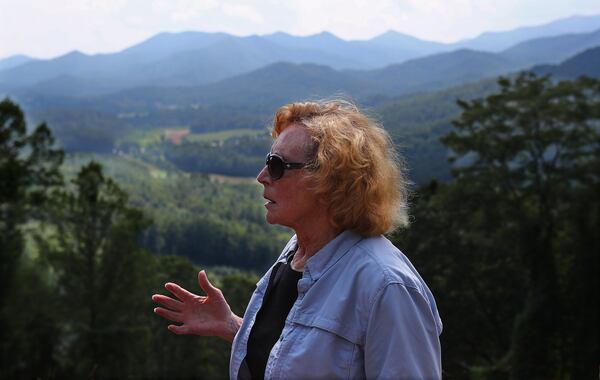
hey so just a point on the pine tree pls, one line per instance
(29, 168)
(102, 277)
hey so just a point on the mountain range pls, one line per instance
(415, 99)
(391, 63)
(278, 83)
(586, 63)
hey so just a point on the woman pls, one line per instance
(341, 301)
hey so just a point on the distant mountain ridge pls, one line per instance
(14, 61)
(498, 41)
(391, 63)
(552, 49)
(586, 63)
(282, 82)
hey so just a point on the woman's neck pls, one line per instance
(310, 241)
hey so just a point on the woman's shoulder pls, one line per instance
(379, 262)
(383, 265)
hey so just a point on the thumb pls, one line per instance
(208, 288)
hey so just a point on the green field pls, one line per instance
(145, 138)
(224, 135)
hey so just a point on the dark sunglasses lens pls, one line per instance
(275, 167)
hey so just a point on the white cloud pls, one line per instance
(182, 10)
(95, 5)
(242, 11)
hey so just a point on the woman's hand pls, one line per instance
(208, 315)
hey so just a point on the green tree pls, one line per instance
(102, 277)
(187, 357)
(458, 243)
(529, 150)
(29, 165)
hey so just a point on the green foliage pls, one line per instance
(417, 122)
(459, 244)
(103, 283)
(141, 139)
(83, 129)
(209, 221)
(513, 233)
(236, 156)
(225, 135)
(95, 254)
(182, 357)
(31, 333)
(532, 135)
(28, 168)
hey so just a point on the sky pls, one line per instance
(49, 28)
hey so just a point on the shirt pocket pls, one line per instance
(322, 349)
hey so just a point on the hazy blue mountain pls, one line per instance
(195, 59)
(274, 84)
(323, 40)
(437, 71)
(40, 70)
(552, 50)
(163, 45)
(164, 61)
(14, 61)
(586, 63)
(210, 58)
(498, 41)
(264, 88)
(278, 83)
(118, 70)
(396, 40)
(109, 70)
(347, 52)
(71, 86)
(230, 56)
(284, 82)
(387, 48)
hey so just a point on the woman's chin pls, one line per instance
(273, 218)
(270, 217)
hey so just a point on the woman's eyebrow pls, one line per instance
(278, 153)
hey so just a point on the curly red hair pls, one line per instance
(353, 165)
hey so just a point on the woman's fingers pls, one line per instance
(168, 302)
(168, 314)
(206, 285)
(178, 291)
(179, 329)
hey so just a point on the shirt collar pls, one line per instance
(330, 254)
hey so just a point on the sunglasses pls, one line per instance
(277, 166)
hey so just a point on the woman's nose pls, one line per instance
(263, 176)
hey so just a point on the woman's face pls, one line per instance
(289, 202)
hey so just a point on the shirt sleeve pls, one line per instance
(402, 338)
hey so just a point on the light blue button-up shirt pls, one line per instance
(362, 311)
